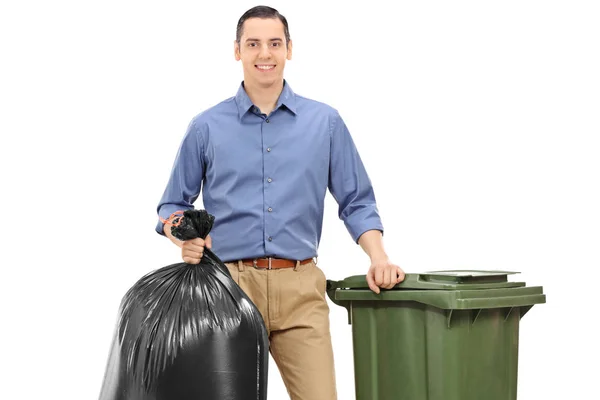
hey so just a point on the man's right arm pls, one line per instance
(185, 181)
(183, 188)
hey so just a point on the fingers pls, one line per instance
(390, 282)
(191, 257)
(192, 251)
(194, 244)
(379, 276)
(385, 276)
(371, 281)
(400, 275)
(191, 260)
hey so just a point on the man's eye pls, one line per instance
(275, 44)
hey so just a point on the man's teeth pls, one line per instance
(265, 66)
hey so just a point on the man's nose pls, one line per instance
(265, 51)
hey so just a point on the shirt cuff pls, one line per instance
(165, 212)
(362, 221)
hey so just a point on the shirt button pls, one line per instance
(270, 209)
(270, 239)
(270, 180)
(268, 149)
(267, 121)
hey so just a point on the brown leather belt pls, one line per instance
(273, 263)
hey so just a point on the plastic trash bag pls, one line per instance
(188, 332)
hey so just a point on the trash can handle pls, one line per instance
(332, 286)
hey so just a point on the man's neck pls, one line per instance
(263, 97)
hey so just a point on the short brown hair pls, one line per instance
(262, 12)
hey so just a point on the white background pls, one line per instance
(478, 122)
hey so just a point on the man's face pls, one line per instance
(262, 51)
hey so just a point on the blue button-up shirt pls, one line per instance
(264, 178)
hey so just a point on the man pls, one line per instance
(265, 159)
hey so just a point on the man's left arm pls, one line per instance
(382, 273)
(351, 187)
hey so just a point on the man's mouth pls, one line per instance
(265, 67)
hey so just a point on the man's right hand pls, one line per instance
(193, 250)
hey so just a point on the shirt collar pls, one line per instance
(286, 98)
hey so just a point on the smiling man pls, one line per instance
(264, 160)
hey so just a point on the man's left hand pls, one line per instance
(385, 274)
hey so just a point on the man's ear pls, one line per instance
(236, 50)
(289, 50)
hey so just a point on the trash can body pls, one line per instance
(438, 336)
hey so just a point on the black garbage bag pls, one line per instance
(188, 332)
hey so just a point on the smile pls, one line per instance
(265, 67)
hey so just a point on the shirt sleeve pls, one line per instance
(349, 183)
(185, 180)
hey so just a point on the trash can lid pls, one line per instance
(441, 280)
(448, 290)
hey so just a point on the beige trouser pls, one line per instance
(294, 307)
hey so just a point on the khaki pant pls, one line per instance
(294, 307)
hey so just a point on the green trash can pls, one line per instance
(441, 335)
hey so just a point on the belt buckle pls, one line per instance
(269, 267)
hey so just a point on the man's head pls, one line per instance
(263, 45)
